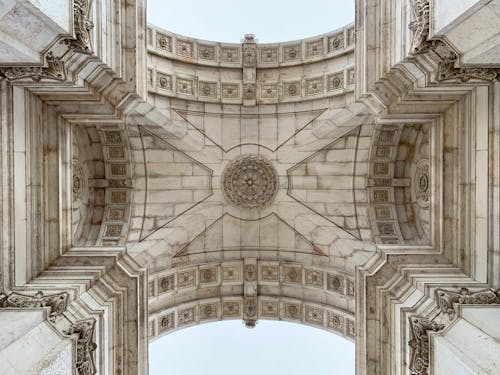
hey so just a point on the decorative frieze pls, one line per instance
(231, 308)
(419, 343)
(164, 81)
(85, 346)
(447, 299)
(207, 89)
(185, 86)
(269, 55)
(184, 48)
(261, 273)
(336, 81)
(54, 70)
(335, 42)
(314, 48)
(313, 315)
(291, 89)
(206, 52)
(292, 53)
(57, 302)
(314, 86)
(230, 55)
(164, 42)
(230, 91)
(269, 91)
(250, 309)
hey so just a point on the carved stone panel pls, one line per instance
(250, 181)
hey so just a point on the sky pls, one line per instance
(270, 20)
(272, 347)
(228, 348)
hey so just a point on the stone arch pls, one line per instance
(101, 185)
(250, 290)
(399, 183)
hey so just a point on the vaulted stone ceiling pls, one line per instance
(338, 181)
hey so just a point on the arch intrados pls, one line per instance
(309, 294)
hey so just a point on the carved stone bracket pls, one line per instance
(447, 67)
(419, 343)
(57, 302)
(54, 70)
(85, 346)
(447, 70)
(83, 28)
(420, 25)
(447, 299)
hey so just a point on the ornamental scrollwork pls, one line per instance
(56, 302)
(85, 346)
(447, 299)
(83, 28)
(420, 25)
(447, 70)
(419, 343)
(54, 70)
(447, 67)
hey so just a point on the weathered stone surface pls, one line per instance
(151, 181)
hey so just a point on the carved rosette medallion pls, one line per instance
(250, 181)
(421, 183)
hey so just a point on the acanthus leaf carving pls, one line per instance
(85, 345)
(83, 28)
(54, 70)
(447, 68)
(57, 302)
(420, 26)
(419, 343)
(447, 299)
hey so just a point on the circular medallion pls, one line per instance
(250, 181)
(421, 183)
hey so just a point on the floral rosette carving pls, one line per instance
(250, 181)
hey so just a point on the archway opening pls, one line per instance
(272, 347)
(270, 21)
